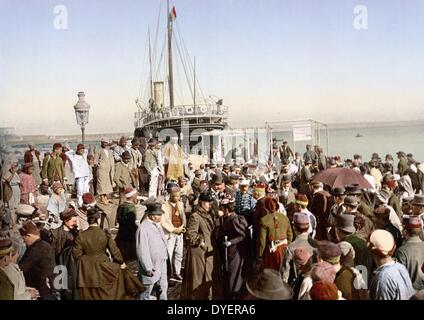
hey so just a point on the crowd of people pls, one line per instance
(221, 231)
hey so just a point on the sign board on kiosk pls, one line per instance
(302, 133)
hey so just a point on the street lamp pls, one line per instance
(82, 109)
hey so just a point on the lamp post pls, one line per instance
(82, 110)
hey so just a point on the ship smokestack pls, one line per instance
(158, 94)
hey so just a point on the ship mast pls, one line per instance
(151, 68)
(170, 69)
(194, 83)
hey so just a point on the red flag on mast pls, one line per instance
(173, 13)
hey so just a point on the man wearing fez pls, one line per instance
(174, 226)
(54, 167)
(152, 251)
(123, 177)
(80, 169)
(38, 261)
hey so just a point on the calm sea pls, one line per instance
(384, 140)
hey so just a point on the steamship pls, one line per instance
(158, 114)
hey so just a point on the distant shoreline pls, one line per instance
(41, 139)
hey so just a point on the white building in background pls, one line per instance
(5, 133)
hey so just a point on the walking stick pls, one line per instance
(226, 254)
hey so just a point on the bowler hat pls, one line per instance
(154, 208)
(217, 179)
(338, 191)
(205, 196)
(351, 201)
(346, 222)
(269, 285)
(353, 189)
(286, 178)
(418, 200)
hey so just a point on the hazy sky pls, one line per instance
(276, 59)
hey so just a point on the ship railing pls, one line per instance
(180, 112)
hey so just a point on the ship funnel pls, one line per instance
(158, 94)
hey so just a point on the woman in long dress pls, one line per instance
(28, 185)
(99, 278)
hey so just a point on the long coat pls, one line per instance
(105, 170)
(98, 277)
(305, 178)
(126, 216)
(62, 242)
(151, 251)
(174, 155)
(235, 228)
(320, 207)
(37, 264)
(197, 283)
